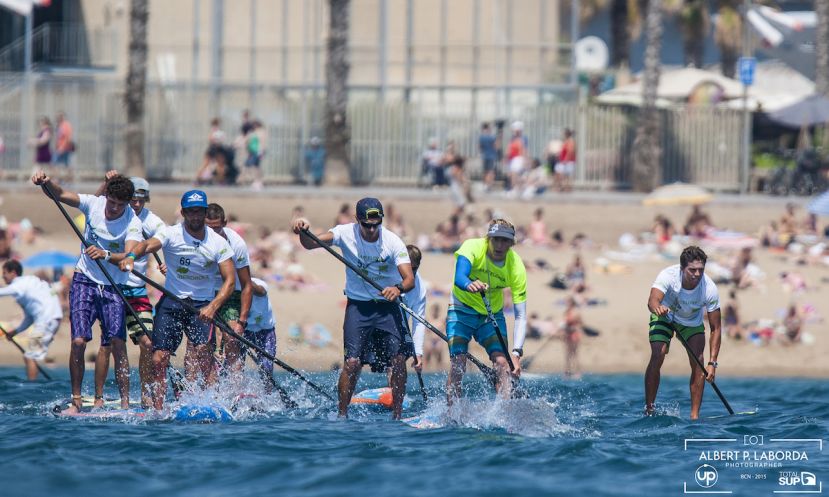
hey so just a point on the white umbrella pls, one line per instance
(678, 194)
(820, 204)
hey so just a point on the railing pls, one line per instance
(62, 44)
(698, 145)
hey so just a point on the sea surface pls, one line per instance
(586, 437)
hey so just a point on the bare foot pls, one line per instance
(74, 406)
(99, 403)
(125, 402)
(650, 410)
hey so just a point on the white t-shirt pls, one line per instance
(241, 258)
(150, 224)
(261, 314)
(106, 234)
(415, 299)
(686, 305)
(192, 264)
(40, 304)
(379, 259)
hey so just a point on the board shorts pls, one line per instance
(144, 309)
(232, 308)
(38, 338)
(265, 339)
(173, 320)
(662, 330)
(464, 323)
(374, 332)
(90, 301)
(565, 168)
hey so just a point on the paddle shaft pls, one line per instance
(177, 377)
(419, 376)
(495, 325)
(283, 394)
(483, 367)
(22, 351)
(227, 329)
(699, 363)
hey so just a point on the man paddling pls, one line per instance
(373, 325)
(41, 308)
(111, 230)
(678, 299)
(192, 253)
(486, 265)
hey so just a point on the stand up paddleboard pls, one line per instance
(378, 397)
(424, 422)
(187, 413)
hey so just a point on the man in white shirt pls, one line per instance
(237, 308)
(112, 230)
(416, 301)
(373, 325)
(261, 330)
(678, 299)
(41, 308)
(192, 253)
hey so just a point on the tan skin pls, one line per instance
(497, 249)
(232, 346)
(351, 365)
(200, 363)
(692, 274)
(113, 210)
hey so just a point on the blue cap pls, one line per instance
(369, 208)
(194, 198)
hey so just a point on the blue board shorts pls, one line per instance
(464, 323)
(374, 332)
(173, 320)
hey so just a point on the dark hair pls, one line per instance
(120, 188)
(485, 126)
(13, 266)
(415, 255)
(215, 211)
(690, 254)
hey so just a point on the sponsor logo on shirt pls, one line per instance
(182, 270)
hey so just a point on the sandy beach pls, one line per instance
(622, 345)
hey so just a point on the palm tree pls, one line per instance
(647, 154)
(337, 127)
(694, 24)
(728, 35)
(135, 89)
(822, 47)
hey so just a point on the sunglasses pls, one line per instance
(370, 226)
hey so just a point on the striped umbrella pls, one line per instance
(820, 204)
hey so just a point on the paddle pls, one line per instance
(503, 342)
(39, 368)
(177, 378)
(699, 363)
(486, 370)
(526, 363)
(227, 329)
(419, 376)
(283, 394)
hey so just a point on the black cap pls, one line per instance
(368, 208)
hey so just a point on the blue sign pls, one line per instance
(746, 67)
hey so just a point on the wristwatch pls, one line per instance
(399, 286)
(518, 352)
(108, 255)
(713, 363)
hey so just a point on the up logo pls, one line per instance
(706, 476)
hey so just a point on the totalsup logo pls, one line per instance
(793, 478)
(195, 197)
(706, 476)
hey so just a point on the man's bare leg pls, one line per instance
(653, 374)
(101, 372)
(31, 368)
(76, 372)
(122, 370)
(345, 386)
(457, 368)
(161, 359)
(502, 371)
(145, 370)
(697, 381)
(398, 385)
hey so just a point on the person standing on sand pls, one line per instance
(678, 299)
(373, 324)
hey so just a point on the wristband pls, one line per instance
(399, 286)
(131, 255)
(713, 363)
(108, 255)
(518, 352)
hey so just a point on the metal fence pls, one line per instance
(699, 145)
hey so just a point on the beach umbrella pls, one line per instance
(820, 204)
(678, 194)
(50, 258)
(809, 111)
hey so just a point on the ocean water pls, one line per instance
(585, 437)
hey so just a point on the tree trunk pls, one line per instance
(694, 26)
(729, 36)
(647, 153)
(619, 34)
(135, 89)
(337, 126)
(822, 47)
